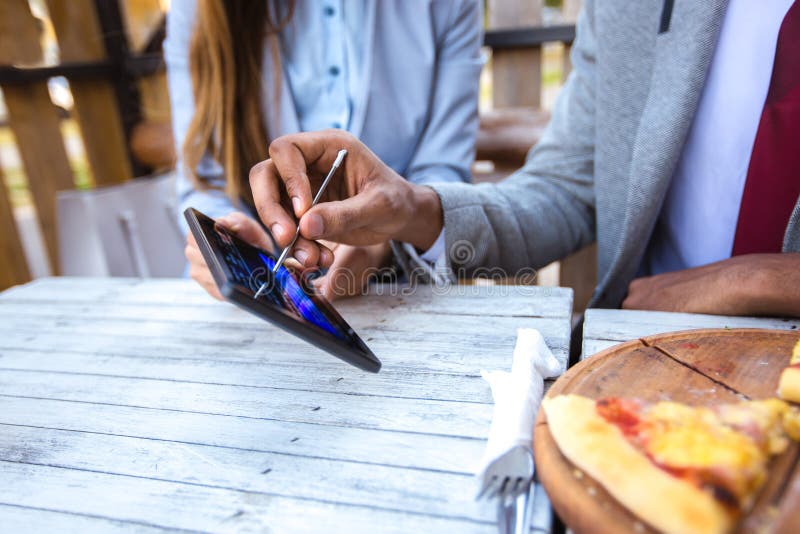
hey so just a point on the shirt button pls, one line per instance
(334, 71)
(329, 11)
(337, 125)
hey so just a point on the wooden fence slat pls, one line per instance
(35, 122)
(13, 267)
(569, 12)
(37, 129)
(579, 271)
(80, 39)
(516, 73)
(16, 26)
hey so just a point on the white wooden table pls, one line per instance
(147, 406)
(606, 328)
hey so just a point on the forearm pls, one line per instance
(769, 284)
(522, 223)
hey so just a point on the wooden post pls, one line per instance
(516, 74)
(13, 267)
(34, 121)
(569, 13)
(80, 39)
(151, 139)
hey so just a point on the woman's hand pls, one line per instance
(351, 269)
(367, 204)
(249, 231)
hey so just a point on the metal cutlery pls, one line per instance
(508, 478)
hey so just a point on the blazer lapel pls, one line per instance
(791, 240)
(682, 57)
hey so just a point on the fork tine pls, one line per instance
(486, 485)
(517, 486)
(500, 489)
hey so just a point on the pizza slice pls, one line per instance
(682, 469)
(789, 385)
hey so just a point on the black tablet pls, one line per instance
(239, 270)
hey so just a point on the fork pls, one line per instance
(509, 479)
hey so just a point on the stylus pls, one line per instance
(339, 158)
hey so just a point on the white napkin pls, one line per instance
(517, 395)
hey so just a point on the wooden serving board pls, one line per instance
(699, 367)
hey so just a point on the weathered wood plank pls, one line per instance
(447, 348)
(202, 508)
(402, 489)
(80, 39)
(370, 308)
(341, 410)
(24, 519)
(374, 447)
(221, 331)
(593, 346)
(623, 325)
(323, 375)
(524, 301)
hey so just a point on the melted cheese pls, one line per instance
(682, 436)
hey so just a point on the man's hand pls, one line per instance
(754, 284)
(250, 232)
(367, 204)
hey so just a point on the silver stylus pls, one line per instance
(339, 158)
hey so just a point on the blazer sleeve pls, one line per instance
(446, 148)
(545, 210)
(212, 202)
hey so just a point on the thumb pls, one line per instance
(332, 220)
(246, 229)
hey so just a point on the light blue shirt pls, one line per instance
(402, 75)
(322, 50)
(697, 224)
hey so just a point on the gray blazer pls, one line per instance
(603, 166)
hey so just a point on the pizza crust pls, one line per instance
(789, 386)
(599, 448)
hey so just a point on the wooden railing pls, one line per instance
(104, 80)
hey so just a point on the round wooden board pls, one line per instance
(699, 367)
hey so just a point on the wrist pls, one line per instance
(766, 283)
(424, 220)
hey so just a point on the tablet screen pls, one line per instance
(250, 267)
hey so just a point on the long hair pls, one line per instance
(226, 53)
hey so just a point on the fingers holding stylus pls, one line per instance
(308, 253)
(267, 195)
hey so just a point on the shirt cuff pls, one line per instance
(436, 251)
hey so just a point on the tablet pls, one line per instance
(290, 303)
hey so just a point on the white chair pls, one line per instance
(123, 230)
